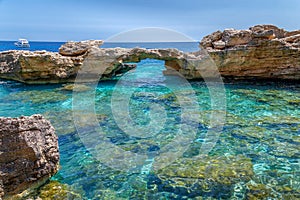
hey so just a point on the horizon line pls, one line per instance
(104, 41)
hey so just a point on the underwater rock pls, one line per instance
(29, 153)
(63, 121)
(258, 191)
(76, 87)
(56, 190)
(39, 96)
(212, 176)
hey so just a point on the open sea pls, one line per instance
(54, 46)
(255, 156)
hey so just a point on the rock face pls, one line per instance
(78, 48)
(38, 66)
(262, 52)
(29, 153)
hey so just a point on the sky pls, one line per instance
(64, 20)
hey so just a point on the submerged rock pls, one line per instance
(211, 176)
(258, 191)
(56, 190)
(39, 96)
(76, 88)
(29, 153)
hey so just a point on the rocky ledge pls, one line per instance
(262, 52)
(29, 154)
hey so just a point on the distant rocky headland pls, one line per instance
(261, 52)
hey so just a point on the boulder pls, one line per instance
(78, 48)
(29, 153)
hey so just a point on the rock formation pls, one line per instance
(38, 66)
(29, 153)
(262, 52)
(78, 48)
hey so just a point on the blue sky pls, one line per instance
(61, 20)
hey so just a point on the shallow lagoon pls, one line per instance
(256, 155)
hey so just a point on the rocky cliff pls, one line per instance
(29, 153)
(262, 52)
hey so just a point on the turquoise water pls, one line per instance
(256, 155)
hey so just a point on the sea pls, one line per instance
(54, 46)
(145, 135)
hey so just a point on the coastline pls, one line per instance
(260, 69)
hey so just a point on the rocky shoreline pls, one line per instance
(262, 52)
(29, 146)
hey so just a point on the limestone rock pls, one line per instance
(262, 52)
(278, 32)
(236, 37)
(29, 153)
(291, 33)
(78, 48)
(292, 39)
(265, 34)
(208, 40)
(42, 67)
(38, 66)
(219, 44)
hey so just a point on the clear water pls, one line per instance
(261, 132)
